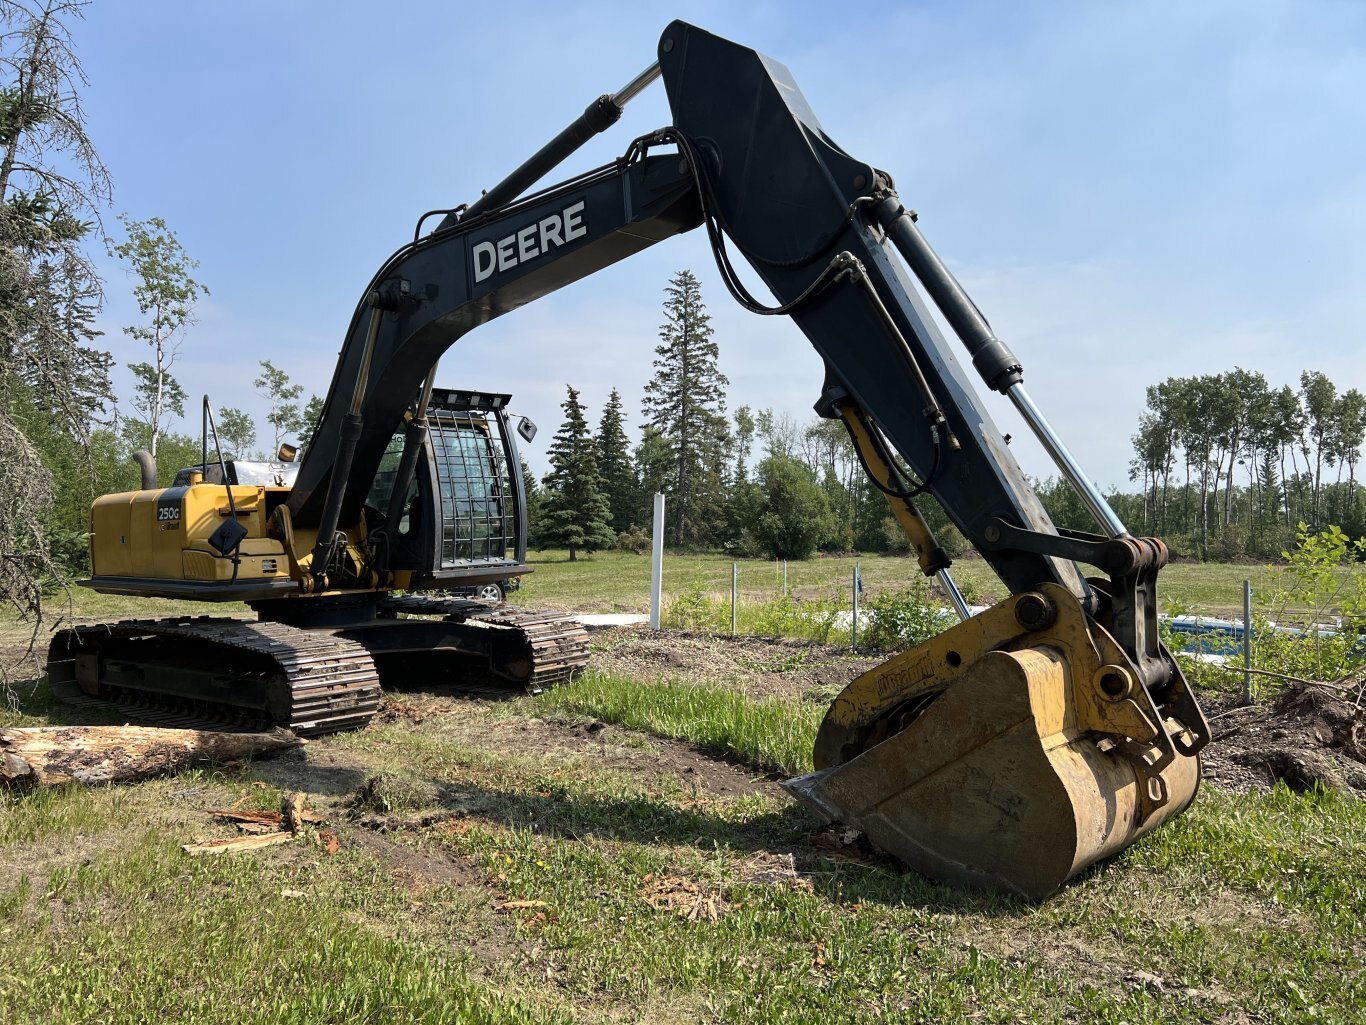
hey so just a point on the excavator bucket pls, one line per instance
(995, 782)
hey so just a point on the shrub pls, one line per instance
(813, 619)
(635, 539)
(904, 618)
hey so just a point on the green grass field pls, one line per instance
(580, 881)
(616, 851)
(620, 581)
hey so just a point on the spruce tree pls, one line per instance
(574, 511)
(52, 187)
(531, 489)
(614, 466)
(685, 404)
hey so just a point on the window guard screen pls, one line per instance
(478, 518)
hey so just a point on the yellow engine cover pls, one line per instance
(164, 534)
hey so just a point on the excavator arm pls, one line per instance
(1019, 746)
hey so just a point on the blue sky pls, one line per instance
(1129, 191)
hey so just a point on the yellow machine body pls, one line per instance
(156, 542)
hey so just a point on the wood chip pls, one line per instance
(292, 809)
(267, 818)
(519, 905)
(236, 844)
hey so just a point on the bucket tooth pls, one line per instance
(993, 786)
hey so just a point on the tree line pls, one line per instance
(1229, 465)
(1226, 466)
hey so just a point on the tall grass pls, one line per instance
(822, 620)
(772, 734)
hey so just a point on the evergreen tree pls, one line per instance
(535, 498)
(574, 511)
(685, 404)
(52, 186)
(614, 465)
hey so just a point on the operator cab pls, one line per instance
(462, 527)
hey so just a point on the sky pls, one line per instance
(1129, 191)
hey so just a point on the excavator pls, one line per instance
(1010, 752)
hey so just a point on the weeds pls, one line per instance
(820, 620)
(904, 618)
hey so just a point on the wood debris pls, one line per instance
(683, 897)
(261, 818)
(236, 844)
(265, 829)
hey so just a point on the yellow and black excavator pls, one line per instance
(1011, 751)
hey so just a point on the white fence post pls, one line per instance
(853, 626)
(734, 592)
(657, 562)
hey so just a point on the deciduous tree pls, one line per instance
(236, 433)
(284, 416)
(308, 420)
(166, 295)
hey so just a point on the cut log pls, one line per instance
(273, 819)
(48, 755)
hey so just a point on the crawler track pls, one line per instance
(212, 671)
(558, 645)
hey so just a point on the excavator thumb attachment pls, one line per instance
(996, 778)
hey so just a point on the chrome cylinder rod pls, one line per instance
(960, 603)
(1066, 462)
(637, 85)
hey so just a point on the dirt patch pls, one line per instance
(416, 870)
(597, 743)
(760, 666)
(1306, 736)
(672, 759)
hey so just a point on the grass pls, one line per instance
(771, 734)
(597, 893)
(144, 934)
(620, 581)
(582, 882)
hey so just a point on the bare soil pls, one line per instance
(758, 666)
(1306, 736)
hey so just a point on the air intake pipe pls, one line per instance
(147, 463)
